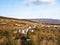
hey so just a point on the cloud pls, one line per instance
(41, 1)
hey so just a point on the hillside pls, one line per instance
(13, 23)
(7, 23)
(28, 32)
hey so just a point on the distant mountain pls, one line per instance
(50, 21)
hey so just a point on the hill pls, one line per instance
(13, 23)
(49, 21)
(29, 31)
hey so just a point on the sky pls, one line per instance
(30, 9)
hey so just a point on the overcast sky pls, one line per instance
(30, 8)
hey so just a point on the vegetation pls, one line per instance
(10, 35)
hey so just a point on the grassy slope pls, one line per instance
(10, 23)
(36, 36)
